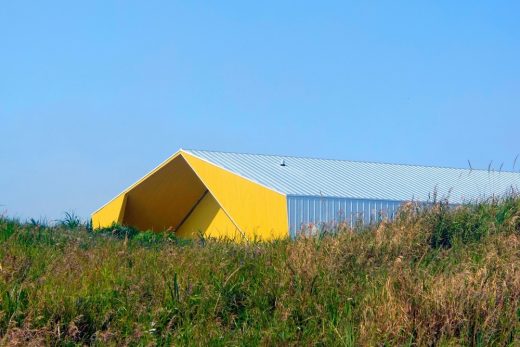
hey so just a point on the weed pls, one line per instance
(436, 275)
(70, 221)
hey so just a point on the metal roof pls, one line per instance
(363, 180)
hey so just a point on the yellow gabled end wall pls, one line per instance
(257, 211)
(208, 218)
(113, 212)
(172, 197)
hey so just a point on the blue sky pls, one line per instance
(94, 95)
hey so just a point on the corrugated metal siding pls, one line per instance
(363, 180)
(327, 212)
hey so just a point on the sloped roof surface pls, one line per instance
(364, 180)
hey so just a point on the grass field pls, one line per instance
(434, 276)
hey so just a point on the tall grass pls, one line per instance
(434, 276)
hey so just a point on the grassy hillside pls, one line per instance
(434, 276)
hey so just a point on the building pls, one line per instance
(247, 196)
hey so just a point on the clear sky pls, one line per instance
(94, 95)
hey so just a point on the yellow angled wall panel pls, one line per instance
(113, 212)
(257, 211)
(208, 218)
(158, 201)
(164, 198)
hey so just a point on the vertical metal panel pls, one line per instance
(317, 213)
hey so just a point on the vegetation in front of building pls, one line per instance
(435, 275)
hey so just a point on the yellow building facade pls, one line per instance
(188, 195)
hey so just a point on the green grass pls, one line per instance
(435, 276)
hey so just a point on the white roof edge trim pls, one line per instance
(233, 172)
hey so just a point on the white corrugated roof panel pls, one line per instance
(364, 180)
